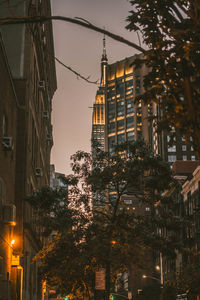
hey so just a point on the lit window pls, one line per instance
(184, 157)
(147, 208)
(193, 157)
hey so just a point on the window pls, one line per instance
(184, 157)
(111, 127)
(172, 149)
(129, 106)
(193, 157)
(111, 110)
(129, 122)
(184, 148)
(120, 88)
(120, 108)
(120, 138)
(111, 143)
(127, 201)
(5, 126)
(130, 136)
(171, 158)
(120, 124)
(147, 208)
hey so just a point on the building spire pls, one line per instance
(104, 62)
(104, 55)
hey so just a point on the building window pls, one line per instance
(129, 122)
(111, 110)
(171, 158)
(184, 157)
(193, 157)
(129, 106)
(172, 149)
(111, 143)
(120, 138)
(111, 127)
(130, 136)
(127, 201)
(120, 124)
(120, 108)
(5, 126)
(184, 147)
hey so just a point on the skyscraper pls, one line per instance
(116, 117)
(98, 121)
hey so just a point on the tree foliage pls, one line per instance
(171, 31)
(87, 233)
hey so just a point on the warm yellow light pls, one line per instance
(113, 242)
(157, 268)
(12, 242)
(13, 223)
(144, 276)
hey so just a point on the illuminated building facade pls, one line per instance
(119, 118)
(125, 120)
(98, 121)
(116, 118)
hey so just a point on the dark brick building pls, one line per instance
(8, 121)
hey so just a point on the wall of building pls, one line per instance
(30, 56)
(8, 119)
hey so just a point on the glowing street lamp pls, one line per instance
(148, 276)
(12, 242)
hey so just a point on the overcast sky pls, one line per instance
(81, 49)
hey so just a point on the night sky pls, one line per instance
(81, 49)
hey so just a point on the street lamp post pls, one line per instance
(119, 295)
(148, 276)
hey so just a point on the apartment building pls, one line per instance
(29, 53)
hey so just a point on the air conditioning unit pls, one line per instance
(9, 213)
(41, 84)
(46, 114)
(7, 143)
(38, 172)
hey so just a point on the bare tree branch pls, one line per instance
(84, 23)
(76, 73)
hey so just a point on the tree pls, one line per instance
(168, 293)
(171, 31)
(90, 237)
